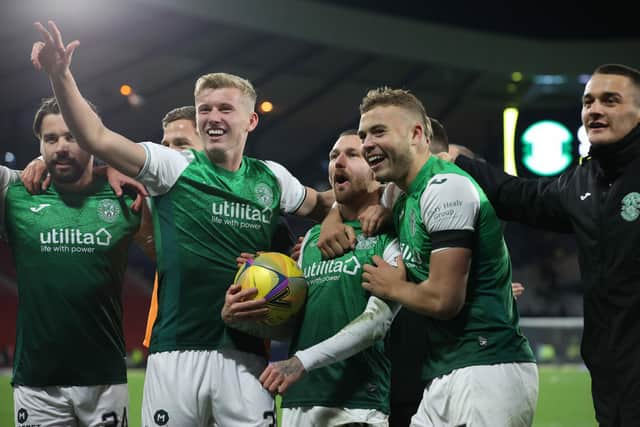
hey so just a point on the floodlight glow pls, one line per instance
(266, 106)
(126, 90)
(546, 147)
(549, 79)
(509, 121)
(135, 100)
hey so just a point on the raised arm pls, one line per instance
(52, 56)
(535, 202)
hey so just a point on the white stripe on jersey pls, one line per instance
(449, 202)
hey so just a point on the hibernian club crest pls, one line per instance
(108, 210)
(630, 209)
(264, 194)
(365, 243)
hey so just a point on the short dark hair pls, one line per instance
(50, 106)
(187, 112)
(621, 70)
(348, 132)
(440, 139)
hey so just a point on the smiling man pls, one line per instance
(599, 201)
(479, 368)
(209, 207)
(70, 246)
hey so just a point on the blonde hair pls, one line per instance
(224, 80)
(385, 96)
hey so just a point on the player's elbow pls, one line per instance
(447, 309)
(317, 204)
(381, 331)
(377, 325)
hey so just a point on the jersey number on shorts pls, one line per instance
(270, 415)
(111, 419)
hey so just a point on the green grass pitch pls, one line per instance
(564, 400)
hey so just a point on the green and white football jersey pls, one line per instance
(7, 177)
(439, 207)
(70, 252)
(204, 216)
(335, 298)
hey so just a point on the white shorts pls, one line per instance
(206, 388)
(477, 396)
(321, 416)
(99, 405)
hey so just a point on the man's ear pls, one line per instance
(417, 133)
(253, 121)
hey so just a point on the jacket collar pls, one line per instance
(613, 158)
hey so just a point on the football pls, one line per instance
(279, 280)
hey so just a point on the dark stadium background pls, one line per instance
(314, 60)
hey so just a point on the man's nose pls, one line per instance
(595, 108)
(61, 148)
(341, 160)
(367, 144)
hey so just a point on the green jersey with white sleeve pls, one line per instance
(445, 208)
(204, 216)
(335, 298)
(70, 252)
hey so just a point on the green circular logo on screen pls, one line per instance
(546, 147)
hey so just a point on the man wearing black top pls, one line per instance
(599, 201)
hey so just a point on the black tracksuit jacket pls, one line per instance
(599, 201)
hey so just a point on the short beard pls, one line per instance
(73, 175)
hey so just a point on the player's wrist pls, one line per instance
(64, 74)
(305, 358)
(298, 364)
(402, 291)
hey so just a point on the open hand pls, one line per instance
(50, 54)
(380, 277)
(118, 181)
(240, 305)
(35, 176)
(372, 218)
